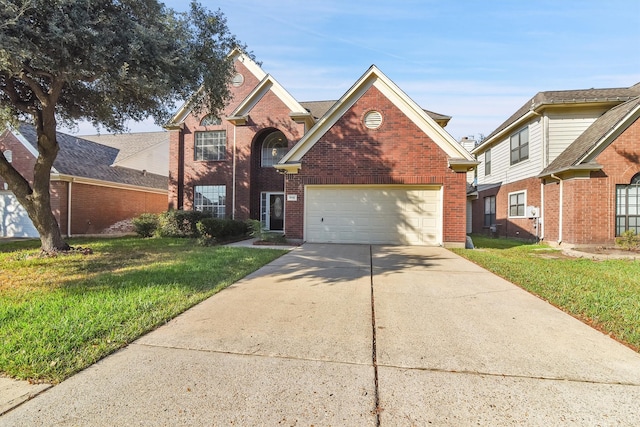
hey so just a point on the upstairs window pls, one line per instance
(211, 145)
(520, 146)
(274, 148)
(487, 162)
(210, 120)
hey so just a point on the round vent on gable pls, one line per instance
(373, 119)
(237, 80)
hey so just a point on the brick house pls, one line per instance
(372, 167)
(89, 191)
(564, 168)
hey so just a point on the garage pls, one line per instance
(14, 221)
(374, 214)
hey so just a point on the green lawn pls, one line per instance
(605, 294)
(60, 315)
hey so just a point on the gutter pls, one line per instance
(100, 183)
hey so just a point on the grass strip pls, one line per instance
(60, 315)
(604, 294)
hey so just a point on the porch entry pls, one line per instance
(272, 211)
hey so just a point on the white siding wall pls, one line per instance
(153, 160)
(501, 169)
(566, 126)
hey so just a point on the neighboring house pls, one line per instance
(372, 167)
(564, 168)
(88, 193)
(141, 151)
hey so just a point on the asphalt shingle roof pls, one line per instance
(569, 97)
(129, 144)
(82, 158)
(593, 135)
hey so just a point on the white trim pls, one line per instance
(498, 137)
(267, 209)
(509, 204)
(620, 127)
(100, 183)
(374, 77)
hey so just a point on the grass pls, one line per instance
(60, 315)
(604, 294)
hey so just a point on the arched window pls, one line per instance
(628, 206)
(274, 148)
(210, 120)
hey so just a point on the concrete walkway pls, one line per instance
(353, 336)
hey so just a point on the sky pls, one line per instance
(477, 61)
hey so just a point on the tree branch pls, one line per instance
(35, 87)
(10, 89)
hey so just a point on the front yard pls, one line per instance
(604, 294)
(60, 315)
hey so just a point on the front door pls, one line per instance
(276, 212)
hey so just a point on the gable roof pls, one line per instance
(595, 138)
(235, 55)
(81, 158)
(270, 84)
(291, 162)
(541, 100)
(129, 144)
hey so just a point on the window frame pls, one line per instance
(210, 120)
(217, 146)
(628, 192)
(270, 143)
(491, 215)
(520, 147)
(487, 162)
(209, 192)
(517, 205)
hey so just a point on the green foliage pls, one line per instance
(60, 315)
(605, 294)
(118, 60)
(256, 229)
(146, 224)
(178, 223)
(214, 230)
(629, 240)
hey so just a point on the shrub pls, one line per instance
(257, 230)
(146, 224)
(629, 240)
(177, 223)
(212, 230)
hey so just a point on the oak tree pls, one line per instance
(106, 62)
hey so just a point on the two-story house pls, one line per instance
(371, 167)
(564, 168)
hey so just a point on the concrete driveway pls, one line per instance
(356, 335)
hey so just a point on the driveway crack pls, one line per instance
(374, 356)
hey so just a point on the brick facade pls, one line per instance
(94, 207)
(398, 152)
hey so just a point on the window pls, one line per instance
(628, 206)
(210, 120)
(489, 211)
(487, 162)
(274, 148)
(8, 154)
(211, 145)
(520, 146)
(517, 203)
(211, 199)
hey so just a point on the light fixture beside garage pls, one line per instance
(373, 119)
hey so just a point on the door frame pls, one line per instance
(265, 210)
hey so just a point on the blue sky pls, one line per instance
(477, 61)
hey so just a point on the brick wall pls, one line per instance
(506, 226)
(398, 152)
(23, 161)
(269, 114)
(94, 208)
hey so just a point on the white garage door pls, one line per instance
(401, 215)
(14, 221)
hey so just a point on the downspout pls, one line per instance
(69, 207)
(233, 179)
(559, 208)
(541, 217)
